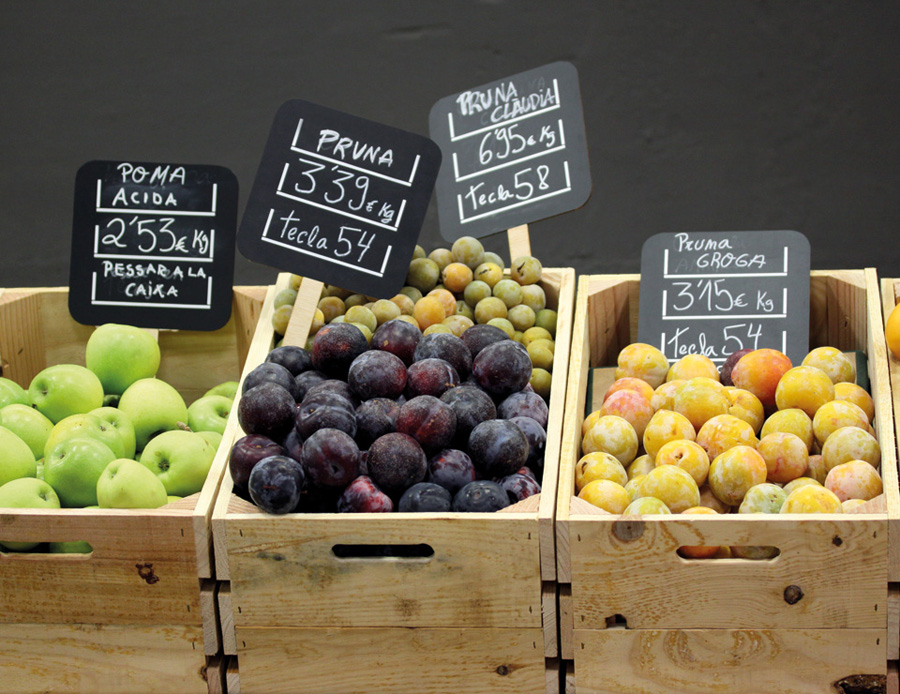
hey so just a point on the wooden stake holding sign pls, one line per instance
(340, 199)
(515, 152)
(308, 294)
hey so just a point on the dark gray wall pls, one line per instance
(700, 115)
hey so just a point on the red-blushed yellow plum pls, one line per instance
(642, 361)
(855, 479)
(759, 372)
(630, 406)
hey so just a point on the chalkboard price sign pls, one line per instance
(153, 245)
(714, 293)
(339, 199)
(514, 150)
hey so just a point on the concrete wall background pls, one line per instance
(700, 116)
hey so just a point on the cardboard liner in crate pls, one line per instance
(624, 587)
(474, 570)
(149, 575)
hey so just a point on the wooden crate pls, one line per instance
(139, 612)
(890, 296)
(479, 615)
(637, 617)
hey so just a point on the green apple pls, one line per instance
(73, 467)
(11, 392)
(214, 437)
(89, 425)
(119, 421)
(28, 424)
(39, 468)
(16, 458)
(153, 406)
(209, 413)
(228, 388)
(26, 492)
(171, 498)
(120, 355)
(125, 483)
(181, 460)
(73, 547)
(64, 389)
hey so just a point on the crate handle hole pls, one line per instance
(383, 552)
(66, 551)
(755, 553)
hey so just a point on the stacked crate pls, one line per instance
(637, 617)
(139, 613)
(473, 611)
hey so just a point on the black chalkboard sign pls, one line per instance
(339, 198)
(714, 293)
(153, 245)
(514, 152)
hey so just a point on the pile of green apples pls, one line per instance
(108, 434)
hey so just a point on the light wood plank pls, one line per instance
(839, 564)
(102, 659)
(391, 661)
(142, 569)
(209, 608)
(893, 622)
(233, 677)
(307, 301)
(726, 661)
(519, 242)
(284, 572)
(550, 616)
(226, 619)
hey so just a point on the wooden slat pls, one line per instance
(890, 290)
(564, 280)
(102, 659)
(566, 623)
(226, 619)
(550, 617)
(893, 622)
(628, 557)
(307, 301)
(284, 572)
(233, 677)
(725, 661)
(142, 569)
(209, 608)
(215, 674)
(391, 661)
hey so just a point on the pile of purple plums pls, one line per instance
(409, 423)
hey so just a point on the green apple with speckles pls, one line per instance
(180, 459)
(28, 424)
(16, 458)
(65, 389)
